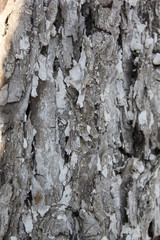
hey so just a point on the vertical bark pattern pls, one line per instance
(80, 119)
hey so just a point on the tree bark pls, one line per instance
(79, 119)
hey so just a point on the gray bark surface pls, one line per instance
(79, 119)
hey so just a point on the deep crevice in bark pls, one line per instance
(28, 110)
(87, 12)
(33, 163)
(29, 199)
(56, 66)
(138, 141)
(151, 229)
(44, 50)
(59, 19)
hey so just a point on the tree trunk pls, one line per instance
(80, 119)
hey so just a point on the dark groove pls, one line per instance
(56, 66)
(89, 19)
(44, 50)
(138, 141)
(29, 199)
(123, 151)
(59, 19)
(28, 110)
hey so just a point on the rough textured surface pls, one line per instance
(80, 119)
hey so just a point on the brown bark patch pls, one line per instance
(38, 198)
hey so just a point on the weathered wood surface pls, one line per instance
(79, 119)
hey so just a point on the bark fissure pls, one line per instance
(79, 123)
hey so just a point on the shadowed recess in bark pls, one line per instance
(28, 111)
(138, 141)
(59, 18)
(56, 66)
(44, 50)
(87, 12)
(134, 65)
(72, 94)
(156, 151)
(119, 40)
(29, 199)
(151, 229)
(124, 195)
(2, 176)
(33, 163)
